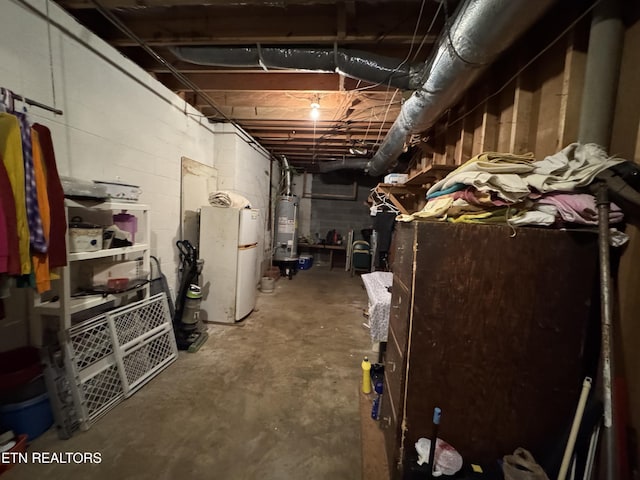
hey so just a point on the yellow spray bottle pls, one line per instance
(366, 377)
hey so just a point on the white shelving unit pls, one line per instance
(104, 355)
(63, 301)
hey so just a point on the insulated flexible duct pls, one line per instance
(286, 174)
(342, 164)
(351, 63)
(481, 30)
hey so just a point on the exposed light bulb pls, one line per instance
(315, 111)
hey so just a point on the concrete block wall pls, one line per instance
(341, 215)
(118, 123)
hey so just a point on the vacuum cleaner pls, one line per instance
(189, 331)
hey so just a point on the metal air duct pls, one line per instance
(351, 63)
(342, 164)
(480, 31)
(286, 176)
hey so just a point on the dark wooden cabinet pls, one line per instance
(492, 325)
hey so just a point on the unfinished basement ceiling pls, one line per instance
(274, 104)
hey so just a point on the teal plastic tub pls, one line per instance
(32, 417)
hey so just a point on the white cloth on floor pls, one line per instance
(228, 199)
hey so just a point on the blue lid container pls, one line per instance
(32, 417)
(305, 262)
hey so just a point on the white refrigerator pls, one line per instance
(228, 244)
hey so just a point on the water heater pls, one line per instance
(286, 229)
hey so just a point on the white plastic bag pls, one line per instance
(522, 466)
(446, 459)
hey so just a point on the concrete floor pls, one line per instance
(275, 397)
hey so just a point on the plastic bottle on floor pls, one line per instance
(366, 375)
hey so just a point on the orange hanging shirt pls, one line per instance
(41, 260)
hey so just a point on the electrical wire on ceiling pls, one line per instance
(424, 37)
(176, 73)
(384, 119)
(244, 135)
(413, 38)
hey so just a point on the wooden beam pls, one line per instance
(505, 119)
(142, 4)
(485, 133)
(551, 87)
(336, 125)
(381, 23)
(575, 64)
(452, 137)
(327, 137)
(464, 145)
(519, 141)
(272, 80)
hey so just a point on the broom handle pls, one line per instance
(577, 419)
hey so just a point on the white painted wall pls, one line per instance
(118, 122)
(244, 169)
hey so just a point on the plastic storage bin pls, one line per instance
(23, 392)
(32, 417)
(128, 223)
(19, 447)
(18, 367)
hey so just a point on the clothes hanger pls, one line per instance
(4, 100)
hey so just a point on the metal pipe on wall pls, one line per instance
(606, 38)
(602, 201)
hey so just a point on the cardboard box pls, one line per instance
(103, 273)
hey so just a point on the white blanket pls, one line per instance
(574, 166)
(228, 199)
